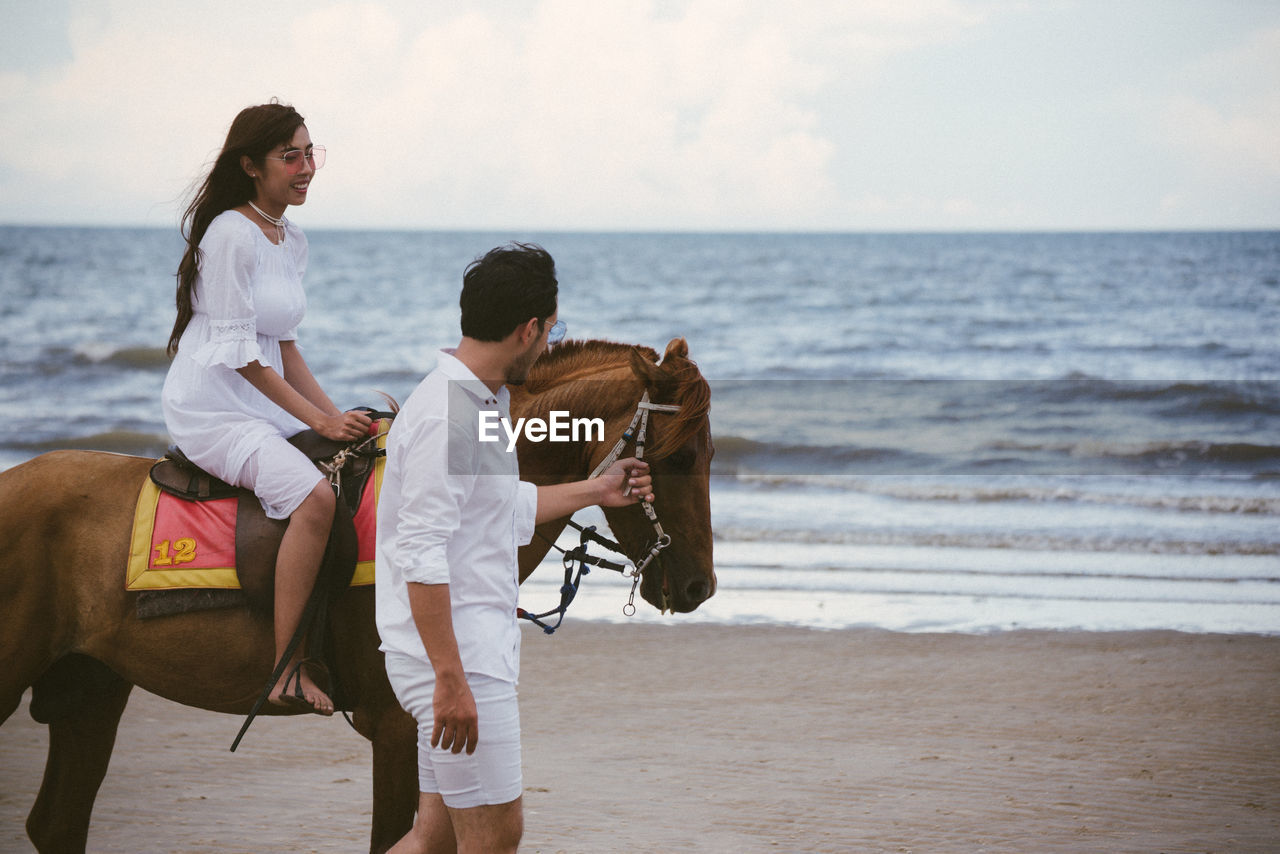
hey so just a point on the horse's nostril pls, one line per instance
(697, 590)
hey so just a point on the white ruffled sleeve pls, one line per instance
(228, 261)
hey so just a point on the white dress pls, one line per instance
(248, 298)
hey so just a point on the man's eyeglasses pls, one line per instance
(293, 159)
(556, 335)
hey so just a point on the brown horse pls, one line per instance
(71, 631)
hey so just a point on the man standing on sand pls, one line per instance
(451, 514)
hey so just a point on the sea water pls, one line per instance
(920, 432)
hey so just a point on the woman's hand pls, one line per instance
(344, 427)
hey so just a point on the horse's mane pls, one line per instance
(574, 360)
(560, 374)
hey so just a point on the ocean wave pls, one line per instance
(115, 441)
(125, 357)
(735, 452)
(1176, 397)
(997, 540)
(1021, 574)
(1158, 453)
(993, 493)
(974, 453)
(1168, 398)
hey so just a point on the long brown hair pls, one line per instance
(255, 131)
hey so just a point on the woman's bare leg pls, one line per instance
(297, 564)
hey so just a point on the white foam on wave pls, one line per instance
(978, 491)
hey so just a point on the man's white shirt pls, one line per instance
(452, 510)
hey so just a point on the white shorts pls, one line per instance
(280, 475)
(488, 777)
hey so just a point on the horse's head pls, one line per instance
(678, 450)
(605, 380)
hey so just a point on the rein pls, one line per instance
(636, 431)
(572, 578)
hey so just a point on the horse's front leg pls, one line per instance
(394, 734)
(82, 700)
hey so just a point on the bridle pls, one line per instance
(643, 408)
(636, 432)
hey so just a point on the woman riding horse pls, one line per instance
(238, 386)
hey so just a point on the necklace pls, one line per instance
(277, 222)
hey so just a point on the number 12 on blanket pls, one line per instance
(184, 551)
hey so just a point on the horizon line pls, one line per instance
(724, 231)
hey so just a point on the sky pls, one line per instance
(665, 115)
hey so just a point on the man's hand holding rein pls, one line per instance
(625, 482)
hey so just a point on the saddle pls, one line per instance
(257, 538)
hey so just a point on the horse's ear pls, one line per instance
(677, 347)
(642, 366)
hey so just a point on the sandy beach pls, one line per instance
(732, 739)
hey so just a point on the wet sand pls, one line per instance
(735, 739)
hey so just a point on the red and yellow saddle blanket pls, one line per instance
(192, 544)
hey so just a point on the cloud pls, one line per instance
(554, 113)
(585, 112)
(1246, 141)
(1227, 123)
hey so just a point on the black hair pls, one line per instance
(505, 288)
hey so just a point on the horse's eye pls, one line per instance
(682, 458)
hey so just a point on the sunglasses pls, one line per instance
(294, 156)
(556, 335)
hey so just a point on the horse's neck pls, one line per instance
(596, 394)
(602, 394)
